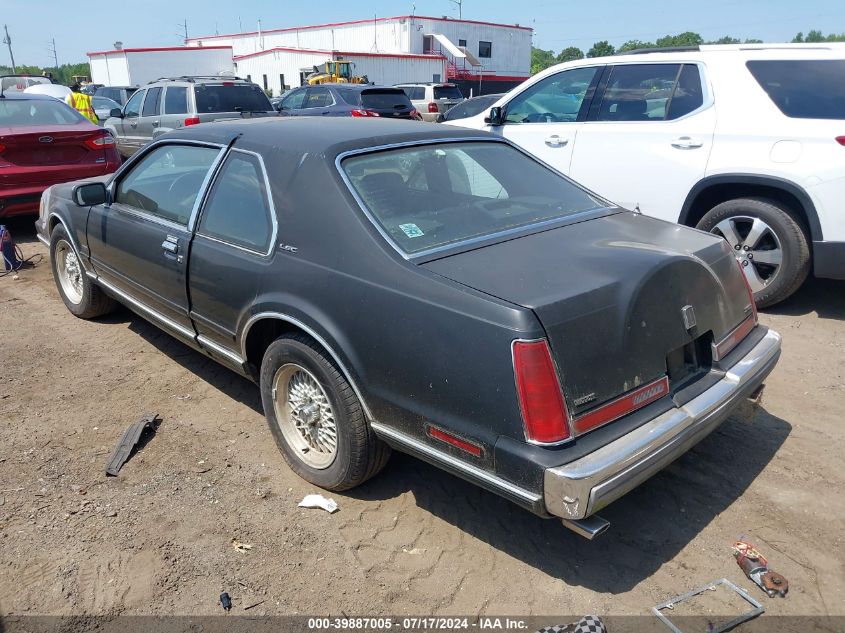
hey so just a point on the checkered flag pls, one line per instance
(587, 624)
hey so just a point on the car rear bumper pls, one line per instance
(582, 487)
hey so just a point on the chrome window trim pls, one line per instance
(469, 241)
(472, 471)
(217, 169)
(313, 334)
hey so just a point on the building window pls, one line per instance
(462, 43)
(485, 49)
(265, 82)
(428, 45)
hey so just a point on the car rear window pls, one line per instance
(15, 83)
(384, 99)
(231, 98)
(803, 89)
(447, 92)
(17, 112)
(441, 194)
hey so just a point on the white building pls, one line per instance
(137, 66)
(400, 49)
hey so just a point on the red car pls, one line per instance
(44, 142)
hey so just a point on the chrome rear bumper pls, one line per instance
(580, 488)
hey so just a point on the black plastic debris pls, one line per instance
(225, 601)
(128, 441)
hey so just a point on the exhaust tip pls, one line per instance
(589, 528)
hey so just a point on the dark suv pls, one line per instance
(168, 104)
(358, 100)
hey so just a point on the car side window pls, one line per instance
(294, 100)
(557, 98)
(318, 98)
(688, 95)
(238, 209)
(176, 100)
(639, 92)
(166, 182)
(417, 93)
(133, 106)
(151, 102)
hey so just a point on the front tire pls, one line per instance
(769, 243)
(81, 296)
(316, 418)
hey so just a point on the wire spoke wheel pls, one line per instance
(69, 271)
(756, 246)
(304, 415)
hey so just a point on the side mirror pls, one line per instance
(116, 112)
(496, 116)
(89, 194)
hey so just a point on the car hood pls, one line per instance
(609, 294)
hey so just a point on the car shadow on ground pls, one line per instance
(649, 526)
(825, 297)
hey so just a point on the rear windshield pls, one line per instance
(385, 99)
(426, 197)
(447, 92)
(19, 84)
(233, 98)
(16, 112)
(804, 89)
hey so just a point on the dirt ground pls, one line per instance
(157, 539)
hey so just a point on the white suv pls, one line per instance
(746, 141)
(431, 99)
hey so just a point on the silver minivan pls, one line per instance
(432, 99)
(169, 104)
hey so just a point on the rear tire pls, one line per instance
(316, 418)
(81, 296)
(769, 243)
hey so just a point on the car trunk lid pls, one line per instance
(610, 294)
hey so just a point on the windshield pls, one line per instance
(447, 92)
(16, 112)
(430, 196)
(231, 98)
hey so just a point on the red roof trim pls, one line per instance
(351, 22)
(326, 52)
(162, 49)
(491, 76)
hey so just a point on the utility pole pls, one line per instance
(459, 4)
(8, 41)
(55, 57)
(184, 25)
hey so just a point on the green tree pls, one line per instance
(752, 41)
(62, 75)
(601, 49)
(799, 38)
(569, 54)
(726, 40)
(541, 59)
(683, 39)
(632, 45)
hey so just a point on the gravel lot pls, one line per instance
(158, 538)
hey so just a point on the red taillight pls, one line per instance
(228, 83)
(840, 140)
(100, 142)
(540, 397)
(2, 147)
(432, 107)
(359, 112)
(192, 120)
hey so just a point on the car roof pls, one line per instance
(326, 136)
(352, 86)
(28, 95)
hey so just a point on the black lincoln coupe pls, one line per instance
(434, 290)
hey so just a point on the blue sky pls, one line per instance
(82, 26)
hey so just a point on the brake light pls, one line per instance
(364, 113)
(100, 142)
(192, 120)
(2, 147)
(540, 397)
(840, 140)
(228, 83)
(432, 107)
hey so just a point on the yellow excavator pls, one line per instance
(335, 72)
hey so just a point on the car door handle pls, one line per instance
(556, 141)
(155, 123)
(171, 244)
(685, 142)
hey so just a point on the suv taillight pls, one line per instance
(192, 120)
(432, 107)
(362, 113)
(540, 397)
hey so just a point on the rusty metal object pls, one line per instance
(756, 568)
